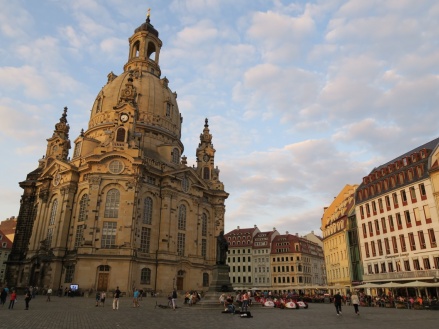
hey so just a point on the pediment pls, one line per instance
(57, 166)
(190, 174)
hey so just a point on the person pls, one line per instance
(136, 298)
(3, 296)
(174, 299)
(244, 298)
(97, 298)
(27, 298)
(355, 301)
(337, 302)
(116, 299)
(12, 300)
(49, 293)
(103, 296)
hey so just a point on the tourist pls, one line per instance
(337, 302)
(103, 296)
(12, 300)
(49, 293)
(174, 299)
(98, 298)
(136, 298)
(116, 299)
(355, 301)
(27, 298)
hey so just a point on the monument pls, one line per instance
(220, 273)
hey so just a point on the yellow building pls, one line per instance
(335, 239)
(126, 210)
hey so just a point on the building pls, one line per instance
(239, 256)
(5, 249)
(262, 243)
(296, 263)
(335, 239)
(397, 215)
(126, 210)
(8, 227)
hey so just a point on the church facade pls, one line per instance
(126, 210)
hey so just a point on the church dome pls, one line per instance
(140, 101)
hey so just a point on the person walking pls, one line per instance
(12, 300)
(27, 298)
(136, 298)
(337, 302)
(355, 301)
(103, 296)
(116, 299)
(174, 299)
(49, 293)
(97, 298)
(3, 296)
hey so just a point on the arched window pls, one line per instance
(120, 135)
(182, 217)
(150, 50)
(83, 208)
(175, 156)
(206, 173)
(136, 47)
(145, 276)
(205, 280)
(112, 204)
(53, 212)
(147, 210)
(204, 224)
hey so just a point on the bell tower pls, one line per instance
(145, 48)
(206, 155)
(58, 145)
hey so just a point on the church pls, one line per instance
(126, 209)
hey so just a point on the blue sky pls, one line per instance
(302, 97)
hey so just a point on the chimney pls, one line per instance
(238, 227)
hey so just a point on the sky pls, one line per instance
(302, 97)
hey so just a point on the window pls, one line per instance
(403, 197)
(426, 262)
(367, 210)
(432, 238)
(108, 235)
(377, 227)
(421, 239)
(145, 276)
(406, 265)
(417, 216)
(83, 208)
(182, 217)
(364, 230)
(112, 204)
(370, 228)
(79, 236)
(387, 199)
(120, 135)
(77, 151)
(115, 167)
(145, 239)
(204, 224)
(374, 252)
(168, 109)
(53, 212)
(412, 241)
(402, 243)
(416, 265)
(206, 173)
(361, 212)
(422, 192)
(398, 220)
(383, 224)
(147, 210)
(49, 238)
(380, 247)
(175, 156)
(390, 266)
(203, 248)
(181, 241)
(380, 205)
(391, 226)
(427, 214)
(408, 219)
(366, 249)
(394, 245)
(205, 280)
(374, 207)
(70, 270)
(412, 194)
(395, 200)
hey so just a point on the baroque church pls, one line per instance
(126, 210)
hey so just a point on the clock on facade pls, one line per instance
(206, 158)
(124, 117)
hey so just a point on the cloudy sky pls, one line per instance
(303, 97)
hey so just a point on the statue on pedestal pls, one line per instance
(221, 249)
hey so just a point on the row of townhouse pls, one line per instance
(273, 261)
(386, 228)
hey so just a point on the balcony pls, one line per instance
(401, 275)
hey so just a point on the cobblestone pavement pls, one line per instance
(81, 313)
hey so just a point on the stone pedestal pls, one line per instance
(220, 284)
